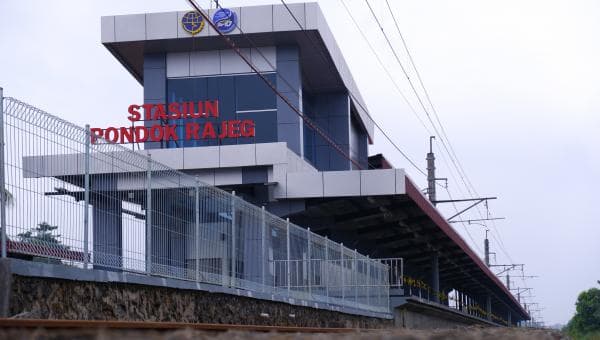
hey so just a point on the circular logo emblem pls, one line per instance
(225, 20)
(192, 22)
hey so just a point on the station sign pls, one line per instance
(225, 19)
(193, 120)
(192, 22)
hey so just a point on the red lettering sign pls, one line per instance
(165, 128)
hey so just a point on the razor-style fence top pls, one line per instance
(104, 206)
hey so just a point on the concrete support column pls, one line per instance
(509, 319)
(168, 235)
(107, 225)
(435, 276)
(488, 307)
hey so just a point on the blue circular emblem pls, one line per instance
(192, 22)
(225, 20)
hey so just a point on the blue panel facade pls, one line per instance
(170, 219)
(289, 84)
(107, 224)
(247, 97)
(155, 86)
(331, 113)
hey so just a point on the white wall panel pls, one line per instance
(205, 63)
(130, 27)
(161, 25)
(178, 64)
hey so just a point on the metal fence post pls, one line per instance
(355, 276)
(309, 267)
(343, 274)
(197, 225)
(149, 216)
(232, 282)
(263, 248)
(368, 280)
(86, 185)
(4, 193)
(327, 268)
(287, 240)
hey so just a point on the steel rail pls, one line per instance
(155, 325)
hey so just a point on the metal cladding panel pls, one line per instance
(377, 182)
(228, 176)
(205, 63)
(415, 194)
(161, 25)
(237, 155)
(204, 157)
(178, 65)
(231, 62)
(271, 153)
(341, 183)
(155, 86)
(130, 27)
(305, 184)
(107, 29)
(172, 158)
(256, 19)
(290, 133)
(283, 20)
(264, 58)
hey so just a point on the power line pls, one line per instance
(308, 122)
(356, 99)
(452, 153)
(444, 136)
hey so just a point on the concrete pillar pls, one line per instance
(509, 318)
(5, 287)
(435, 276)
(460, 301)
(170, 225)
(107, 224)
(250, 239)
(488, 307)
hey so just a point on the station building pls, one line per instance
(314, 170)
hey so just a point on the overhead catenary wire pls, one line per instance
(308, 122)
(444, 136)
(460, 169)
(358, 101)
(452, 153)
(255, 47)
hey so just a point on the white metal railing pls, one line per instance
(101, 205)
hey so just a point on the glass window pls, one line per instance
(240, 97)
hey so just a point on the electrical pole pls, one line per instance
(431, 172)
(431, 179)
(486, 247)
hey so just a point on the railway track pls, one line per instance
(152, 325)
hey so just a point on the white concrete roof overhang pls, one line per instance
(129, 37)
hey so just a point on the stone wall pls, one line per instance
(51, 298)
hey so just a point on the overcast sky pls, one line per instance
(516, 85)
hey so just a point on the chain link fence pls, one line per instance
(94, 204)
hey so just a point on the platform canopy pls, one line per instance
(408, 226)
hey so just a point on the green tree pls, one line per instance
(42, 235)
(586, 321)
